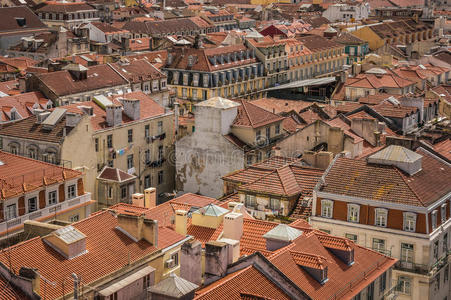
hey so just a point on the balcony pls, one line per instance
(45, 212)
(412, 267)
(150, 139)
(155, 163)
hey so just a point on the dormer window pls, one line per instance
(353, 213)
(381, 217)
(410, 220)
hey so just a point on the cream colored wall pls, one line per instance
(246, 134)
(78, 147)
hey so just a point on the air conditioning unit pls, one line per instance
(170, 263)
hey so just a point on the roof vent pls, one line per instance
(209, 216)
(400, 157)
(67, 241)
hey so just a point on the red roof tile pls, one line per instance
(250, 115)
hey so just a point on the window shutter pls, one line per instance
(80, 187)
(2, 216)
(41, 199)
(61, 194)
(21, 206)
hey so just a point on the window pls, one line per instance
(443, 212)
(437, 282)
(175, 258)
(147, 181)
(382, 283)
(410, 220)
(370, 291)
(11, 212)
(434, 219)
(404, 285)
(274, 204)
(71, 191)
(268, 132)
(325, 230)
(74, 218)
(446, 274)
(32, 153)
(435, 249)
(258, 134)
(445, 243)
(160, 127)
(160, 177)
(147, 130)
(381, 217)
(353, 213)
(249, 160)
(110, 192)
(32, 204)
(146, 283)
(277, 129)
(123, 192)
(160, 153)
(52, 197)
(96, 144)
(130, 135)
(129, 161)
(147, 156)
(406, 252)
(109, 141)
(379, 245)
(327, 208)
(250, 201)
(352, 237)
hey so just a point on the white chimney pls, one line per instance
(113, 115)
(131, 108)
(233, 226)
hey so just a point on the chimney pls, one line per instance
(181, 220)
(277, 151)
(89, 110)
(138, 199)
(113, 115)
(150, 197)
(72, 119)
(323, 159)
(216, 258)
(131, 108)
(33, 276)
(233, 226)
(191, 261)
(138, 228)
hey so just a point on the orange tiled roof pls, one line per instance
(19, 174)
(250, 115)
(444, 148)
(8, 292)
(108, 250)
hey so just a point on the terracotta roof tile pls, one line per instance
(444, 148)
(8, 292)
(250, 115)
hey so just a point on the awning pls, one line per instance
(301, 83)
(126, 281)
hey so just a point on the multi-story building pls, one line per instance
(396, 202)
(66, 14)
(228, 136)
(22, 106)
(344, 12)
(222, 19)
(130, 133)
(327, 56)
(34, 190)
(274, 57)
(229, 72)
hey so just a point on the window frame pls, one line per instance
(50, 198)
(353, 208)
(71, 191)
(324, 203)
(406, 225)
(380, 212)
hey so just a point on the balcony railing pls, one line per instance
(46, 211)
(412, 267)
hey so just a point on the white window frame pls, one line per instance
(56, 197)
(36, 203)
(434, 219)
(407, 226)
(69, 192)
(327, 208)
(381, 217)
(353, 213)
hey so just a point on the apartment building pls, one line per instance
(229, 72)
(34, 190)
(396, 202)
(22, 106)
(131, 134)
